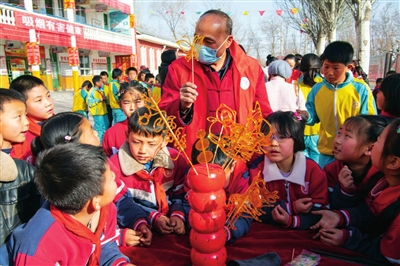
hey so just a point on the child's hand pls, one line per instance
(280, 215)
(178, 225)
(163, 224)
(345, 178)
(328, 220)
(132, 238)
(331, 236)
(303, 205)
(146, 236)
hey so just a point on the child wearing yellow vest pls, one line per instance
(97, 107)
(79, 105)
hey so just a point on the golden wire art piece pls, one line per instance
(250, 204)
(172, 133)
(240, 141)
(205, 156)
(191, 49)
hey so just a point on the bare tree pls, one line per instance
(272, 31)
(172, 13)
(385, 37)
(329, 12)
(317, 18)
(361, 10)
(306, 16)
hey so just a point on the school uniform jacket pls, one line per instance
(79, 101)
(46, 241)
(129, 214)
(240, 88)
(332, 105)
(112, 94)
(143, 191)
(384, 247)
(96, 102)
(340, 197)
(306, 180)
(114, 137)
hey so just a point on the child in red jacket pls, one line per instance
(146, 168)
(130, 98)
(349, 175)
(301, 184)
(77, 225)
(39, 107)
(372, 228)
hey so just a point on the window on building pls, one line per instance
(49, 7)
(80, 14)
(105, 18)
(84, 66)
(58, 8)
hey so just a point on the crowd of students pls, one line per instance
(334, 162)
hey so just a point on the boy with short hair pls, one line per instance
(97, 107)
(19, 197)
(154, 179)
(338, 97)
(77, 225)
(39, 106)
(149, 79)
(113, 95)
(131, 73)
(106, 91)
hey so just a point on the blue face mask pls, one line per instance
(208, 56)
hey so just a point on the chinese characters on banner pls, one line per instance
(73, 56)
(33, 53)
(133, 60)
(24, 20)
(123, 62)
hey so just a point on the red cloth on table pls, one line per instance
(174, 250)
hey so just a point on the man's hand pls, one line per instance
(303, 205)
(163, 224)
(146, 236)
(346, 179)
(178, 225)
(188, 95)
(331, 236)
(132, 238)
(280, 215)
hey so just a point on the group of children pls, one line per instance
(136, 182)
(102, 99)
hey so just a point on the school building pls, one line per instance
(65, 42)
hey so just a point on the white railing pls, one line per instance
(92, 33)
(7, 16)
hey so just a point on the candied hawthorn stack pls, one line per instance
(207, 215)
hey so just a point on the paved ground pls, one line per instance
(63, 101)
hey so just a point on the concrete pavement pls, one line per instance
(63, 101)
